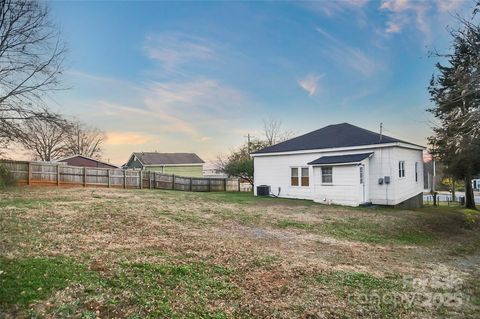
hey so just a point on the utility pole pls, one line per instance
(381, 131)
(434, 177)
(248, 143)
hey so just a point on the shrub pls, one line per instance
(6, 178)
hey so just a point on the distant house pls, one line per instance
(182, 164)
(211, 171)
(476, 184)
(84, 161)
(343, 164)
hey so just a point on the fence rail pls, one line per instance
(40, 173)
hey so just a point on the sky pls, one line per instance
(200, 76)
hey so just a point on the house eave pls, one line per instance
(339, 149)
(167, 165)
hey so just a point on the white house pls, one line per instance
(476, 184)
(343, 164)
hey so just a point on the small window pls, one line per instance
(361, 174)
(327, 175)
(294, 177)
(305, 179)
(401, 169)
(416, 171)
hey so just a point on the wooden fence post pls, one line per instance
(150, 179)
(84, 176)
(173, 181)
(58, 174)
(124, 178)
(209, 185)
(191, 184)
(238, 180)
(108, 176)
(140, 175)
(225, 184)
(29, 173)
(154, 180)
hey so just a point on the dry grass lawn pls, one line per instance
(105, 253)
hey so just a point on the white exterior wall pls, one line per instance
(345, 188)
(274, 170)
(406, 187)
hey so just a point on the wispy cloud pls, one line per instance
(344, 54)
(332, 8)
(173, 49)
(448, 5)
(127, 138)
(310, 83)
(403, 14)
(180, 108)
(200, 98)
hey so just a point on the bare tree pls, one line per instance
(272, 129)
(45, 139)
(84, 140)
(31, 58)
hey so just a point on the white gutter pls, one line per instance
(337, 149)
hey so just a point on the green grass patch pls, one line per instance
(27, 280)
(364, 230)
(365, 291)
(359, 281)
(249, 198)
(175, 291)
(294, 224)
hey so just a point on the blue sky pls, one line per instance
(199, 76)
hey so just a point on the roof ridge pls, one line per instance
(333, 136)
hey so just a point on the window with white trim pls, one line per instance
(327, 175)
(305, 179)
(294, 176)
(299, 176)
(401, 169)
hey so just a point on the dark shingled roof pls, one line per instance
(332, 136)
(340, 159)
(154, 158)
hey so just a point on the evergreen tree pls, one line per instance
(455, 91)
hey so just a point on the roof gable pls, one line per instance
(331, 136)
(65, 159)
(154, 158)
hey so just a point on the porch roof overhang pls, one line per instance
(347, 159)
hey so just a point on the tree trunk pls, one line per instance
(469, 198)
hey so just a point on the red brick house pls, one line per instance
(84, 161)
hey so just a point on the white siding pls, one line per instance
(407, 187)
(381, 165)
(345, 188)
(274, 170)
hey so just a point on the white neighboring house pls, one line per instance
(343, 164)
(476, 184)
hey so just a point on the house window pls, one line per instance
(416, 171)
(361, 174)
(294, 176)
(305, 179)
(326, 175)
(401, 169)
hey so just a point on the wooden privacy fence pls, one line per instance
(40, 173)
